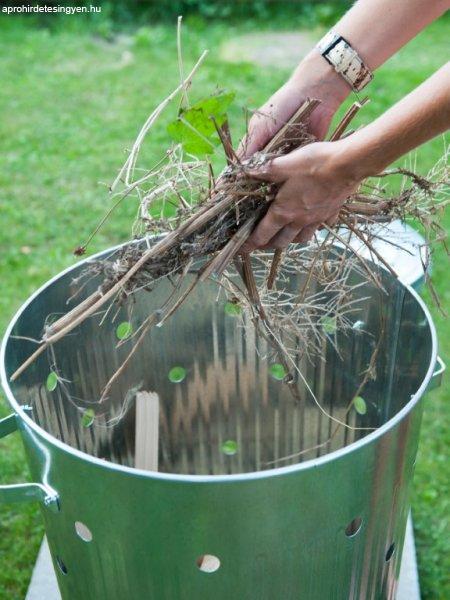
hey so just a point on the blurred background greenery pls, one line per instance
(74, 92)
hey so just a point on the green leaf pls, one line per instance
(88, 417)
(229, 447)
(360, 405)
(52, 381)
(124, 330)
(277, 371)
(177, 374)
(232, 309)
(194, 128)
(329, 324)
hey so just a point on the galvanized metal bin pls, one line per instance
(222, 514)
(401, 246)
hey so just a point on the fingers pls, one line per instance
(306, 233)
(256, 139)
(266, 229)
(332, 220)
(284, 237)
(261, 129)
(272, 171)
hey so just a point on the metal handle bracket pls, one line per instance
(436, 378)
(25, 492)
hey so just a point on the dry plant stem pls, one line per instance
(225, 138)
(63, 321)
(179, 302)
(252, 288)
(249, 280)
(153, 319)
(131, 160)
(299, 116)
(150, 321)
(367, 375)
(229, 251)
(369, 245)
(82, 248)
(93, 306)
(184, 95)
(192, 224)
(353, 251)
(277, 255)
(346, 119)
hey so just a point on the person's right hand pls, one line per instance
(313, 78)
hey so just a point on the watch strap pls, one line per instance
(345, 60)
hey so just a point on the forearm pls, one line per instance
(377, 29)
(417, 118)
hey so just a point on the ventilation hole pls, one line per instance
(208, 563)
(62, 567)
(353, 527)
(83, 531)
(390, 552)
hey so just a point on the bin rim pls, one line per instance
(191, 478)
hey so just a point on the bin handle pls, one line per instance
(25, 492)
(436, 378)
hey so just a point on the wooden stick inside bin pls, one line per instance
(147, 431)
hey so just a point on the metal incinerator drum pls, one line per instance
(212, 483)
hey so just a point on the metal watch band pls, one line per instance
(345, 60)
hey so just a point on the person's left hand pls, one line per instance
(315, 182)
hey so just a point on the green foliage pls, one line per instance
(230, 447)
(233, 309)
(329, 325)
(277, 371)
(194, 127)
(177, 374)
(88, 417)
(124, 330)
(52, 381)
(360, 405)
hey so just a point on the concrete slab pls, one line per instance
(408, 585)
(43, 582)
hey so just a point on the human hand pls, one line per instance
(315, 181)
(313, 78)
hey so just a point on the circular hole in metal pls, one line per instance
(208, 563)
(353, 527)
(62, 567)
(390, 552)
(83, 531)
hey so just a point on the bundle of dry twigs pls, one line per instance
(212, 217)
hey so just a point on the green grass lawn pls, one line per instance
(71, 104)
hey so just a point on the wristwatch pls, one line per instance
(345, 60)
